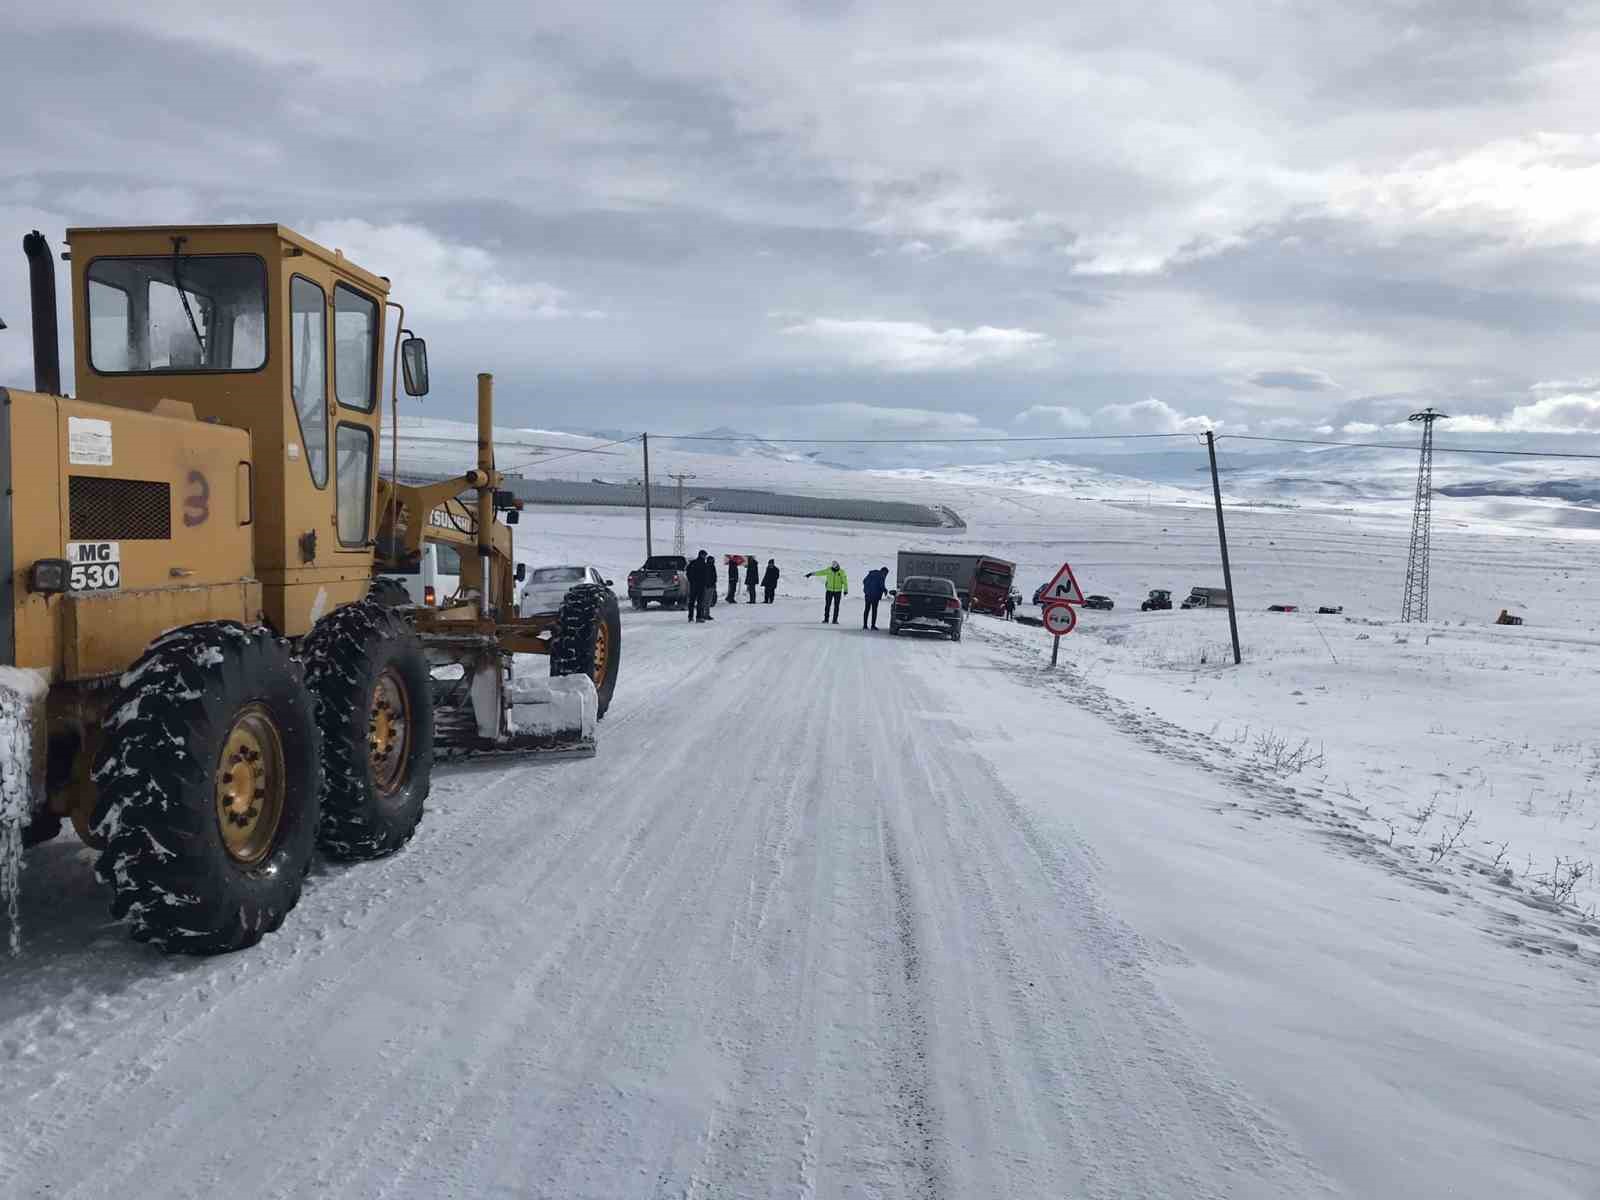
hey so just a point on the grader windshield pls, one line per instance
(177, 313)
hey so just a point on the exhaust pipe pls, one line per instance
(42, 289)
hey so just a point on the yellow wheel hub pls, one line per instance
(389, 732)
(602, 653)
(250, 786)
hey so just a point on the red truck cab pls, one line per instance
(991, 584)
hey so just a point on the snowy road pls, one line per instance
(789, 934)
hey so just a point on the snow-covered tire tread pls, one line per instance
(155, 810)
(343, 656)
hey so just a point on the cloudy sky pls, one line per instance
(929, 219)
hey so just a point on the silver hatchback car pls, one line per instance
(548, 586)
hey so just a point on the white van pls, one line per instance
(436, 577)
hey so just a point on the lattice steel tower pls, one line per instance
(1415, 607)
(677, 534)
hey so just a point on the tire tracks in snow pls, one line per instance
(919, 1119)
(1060, 1069)
(153, 1039)
(787, 935)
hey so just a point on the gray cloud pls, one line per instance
(1294, 380)
(645, 215)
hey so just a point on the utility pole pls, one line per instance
(1415, 605)
(677, 537)
(1222, 540)
(649, 551)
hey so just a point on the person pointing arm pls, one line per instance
(836, 585)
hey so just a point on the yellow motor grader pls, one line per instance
(196, 667)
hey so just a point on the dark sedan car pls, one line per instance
(923, 602)
(1101, 602)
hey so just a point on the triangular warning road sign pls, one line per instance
(1063, 589)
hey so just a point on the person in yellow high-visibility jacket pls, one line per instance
(837, 585)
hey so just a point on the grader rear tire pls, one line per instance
(588, 640)
(368, 676)
(208, 781)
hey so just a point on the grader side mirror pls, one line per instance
(414, 363)
(522, 572)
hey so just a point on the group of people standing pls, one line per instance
(702, 573)
(836, 585)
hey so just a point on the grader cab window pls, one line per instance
(354, 446)
(355, 338)
(177, 314)
(308, 371)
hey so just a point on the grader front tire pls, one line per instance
(207, 787)
(369, 678)
(588, 640)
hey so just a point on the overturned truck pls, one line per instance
(196, 669)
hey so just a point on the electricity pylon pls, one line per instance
(677, 536)
(1415, 606)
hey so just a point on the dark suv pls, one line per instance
(923, 602)
(664, 578)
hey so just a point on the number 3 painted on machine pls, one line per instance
(197, 504)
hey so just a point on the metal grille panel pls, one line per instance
(118, 510)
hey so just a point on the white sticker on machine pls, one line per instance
(88, 441)
(94, 566)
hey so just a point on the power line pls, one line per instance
(911, 441)
(1247, 437)
(571, 453)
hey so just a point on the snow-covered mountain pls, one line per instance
(1531, 493)
(727, 441)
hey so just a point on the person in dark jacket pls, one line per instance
(769, 581)
(872, 589)
(697, 574)
(733, 580)
(708, 586)
(752, 576)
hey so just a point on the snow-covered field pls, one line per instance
(835, 914)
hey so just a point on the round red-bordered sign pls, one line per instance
(1060, 619)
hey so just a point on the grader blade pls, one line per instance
(486, 706)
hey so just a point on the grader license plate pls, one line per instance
(94, 566)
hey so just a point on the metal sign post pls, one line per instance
(1060, 619)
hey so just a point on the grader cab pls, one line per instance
(195, 667)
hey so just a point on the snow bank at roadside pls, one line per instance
(1462, 756)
